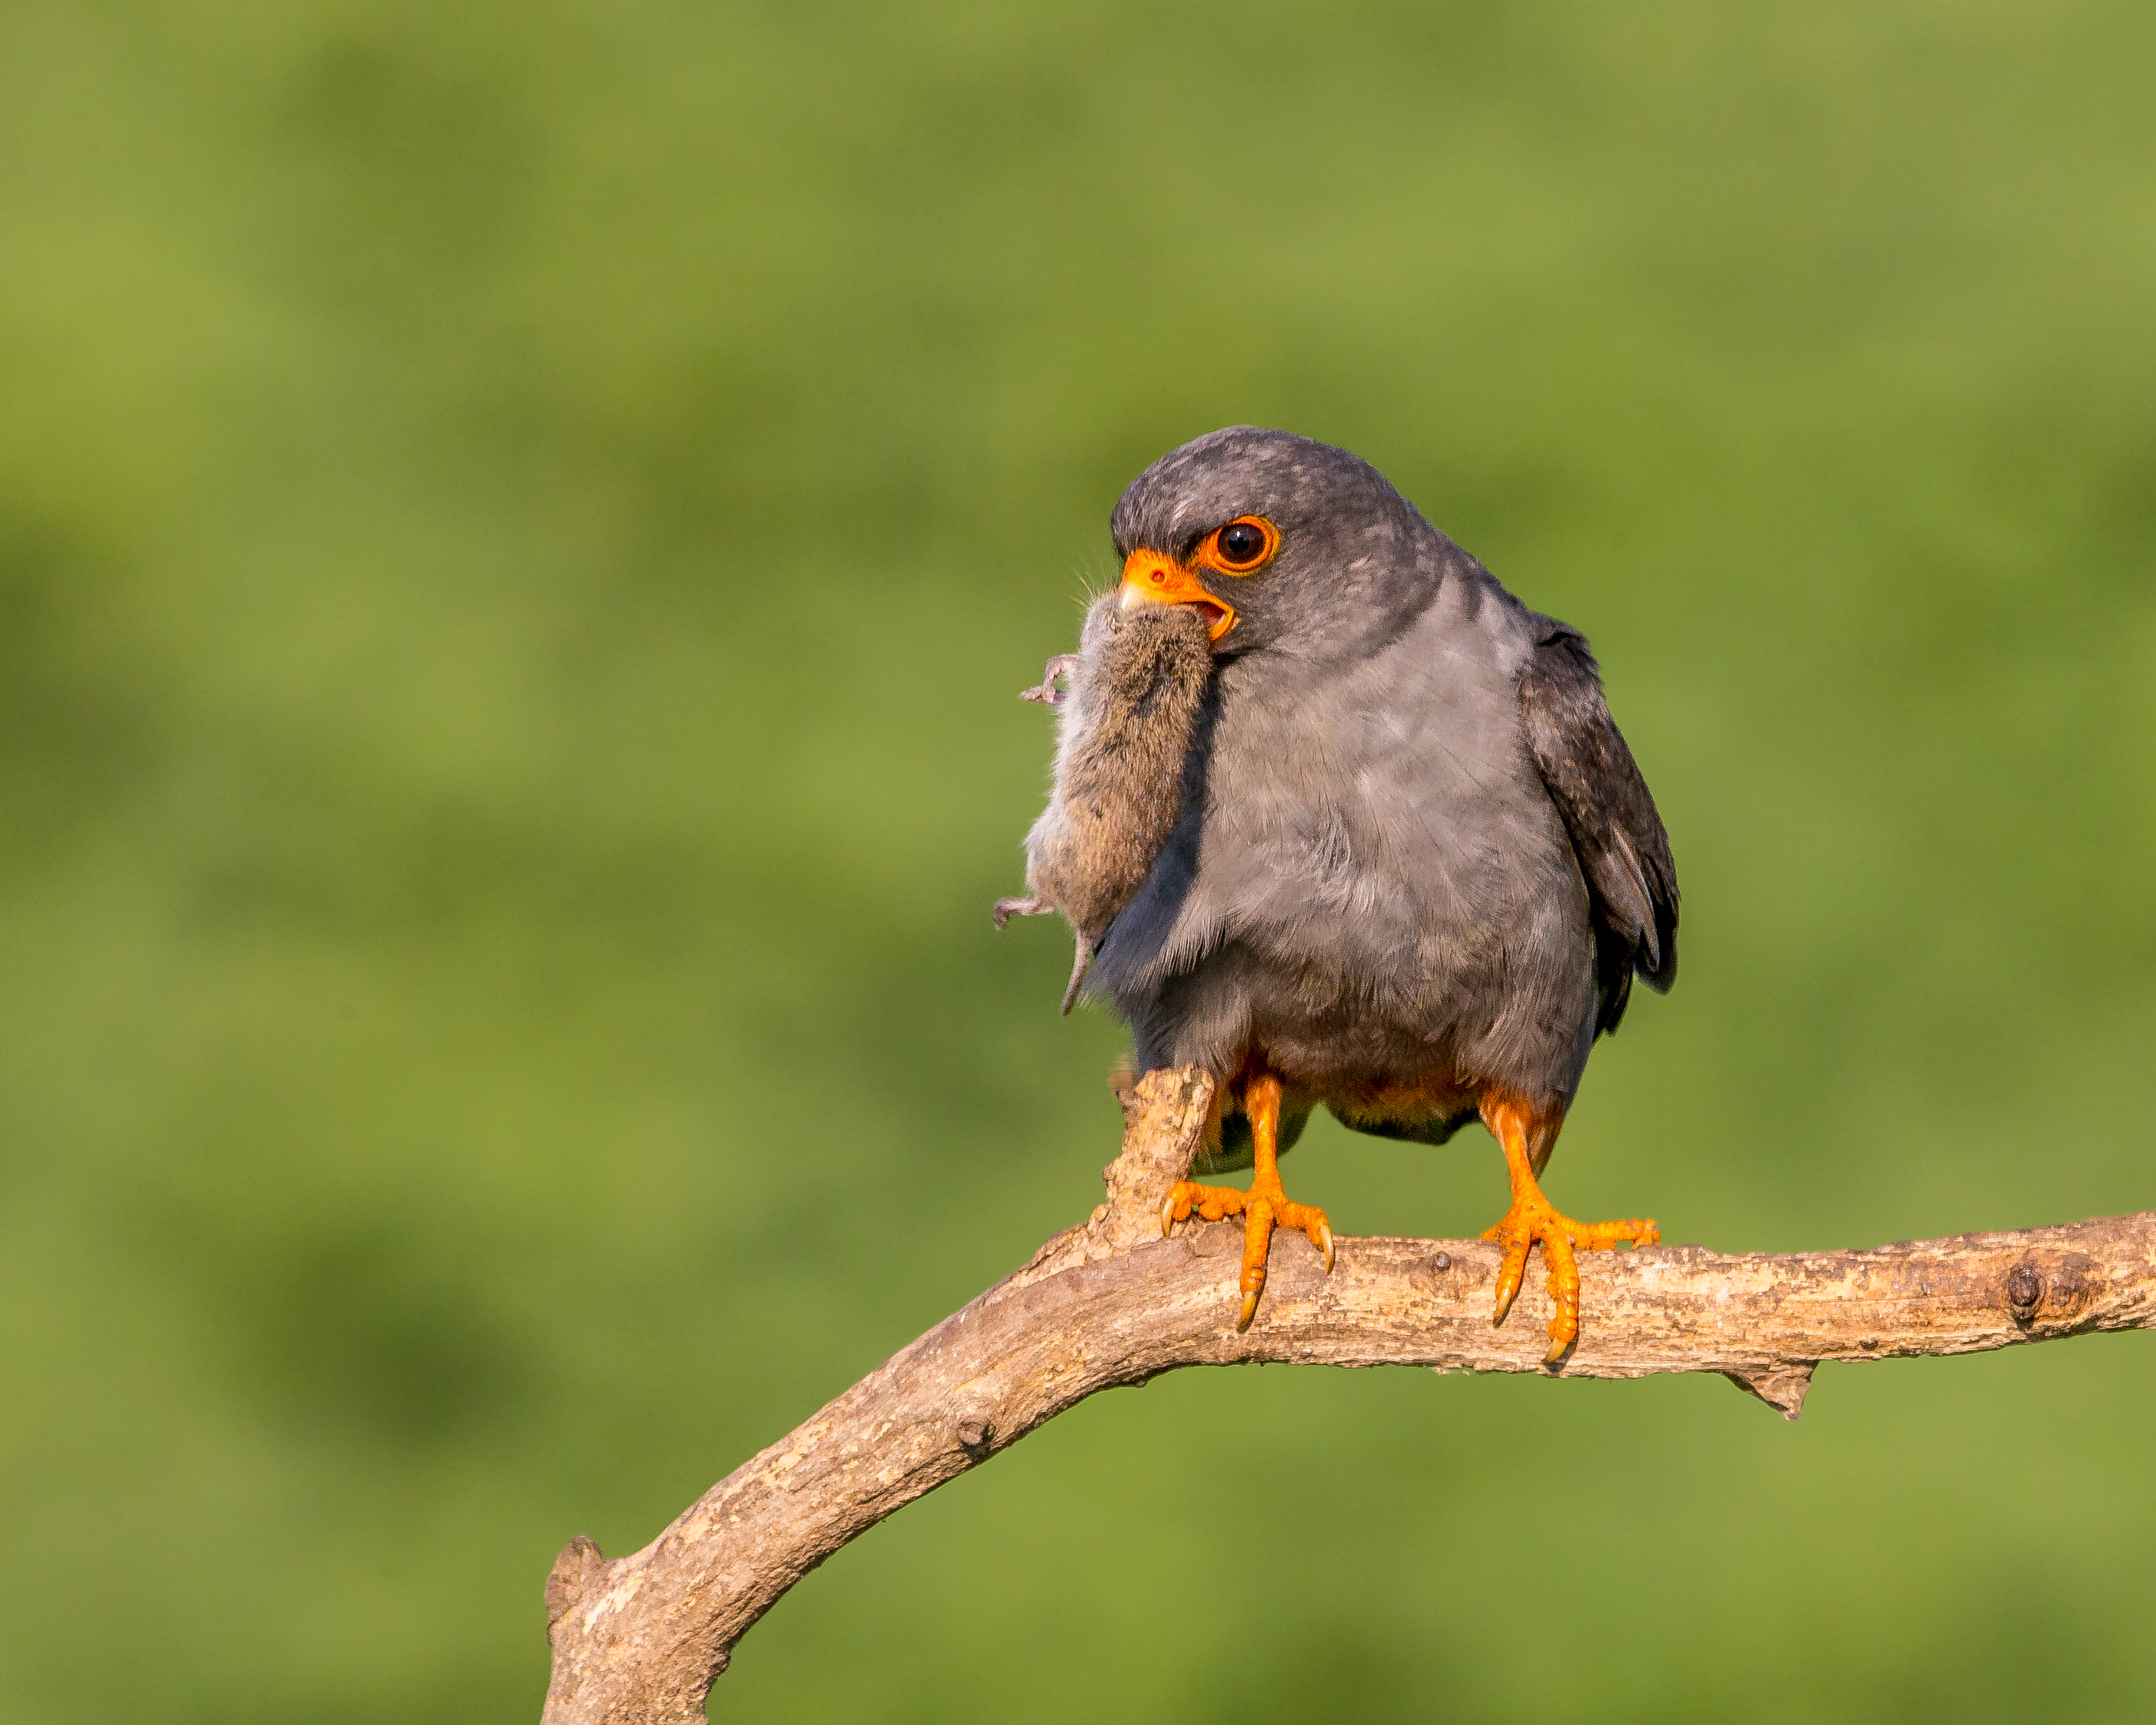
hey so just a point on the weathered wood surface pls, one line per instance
(642, 1638)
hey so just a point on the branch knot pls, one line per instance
(2024, 1292)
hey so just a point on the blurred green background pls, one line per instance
(520, 528)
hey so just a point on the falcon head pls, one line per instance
(1280, 542)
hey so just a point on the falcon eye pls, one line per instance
(1241, 545)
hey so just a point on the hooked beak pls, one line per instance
(1150, 577)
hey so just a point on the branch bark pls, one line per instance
(642, 1638)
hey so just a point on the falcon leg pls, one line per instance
(1528, 1135)
(1263, 1208)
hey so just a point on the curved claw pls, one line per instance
(1250, 1309)
(1168, 1214)
(1510, 1275)
(1325, 1243)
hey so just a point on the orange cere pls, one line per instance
(1152, 578)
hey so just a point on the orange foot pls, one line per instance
(1533, 1217)
(1265, 1206)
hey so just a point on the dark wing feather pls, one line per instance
(1624, 853)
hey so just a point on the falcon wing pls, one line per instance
(1624, 853)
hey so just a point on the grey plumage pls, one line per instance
(1125, 737)
(1414, 864)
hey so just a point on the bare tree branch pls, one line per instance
(642, 1638)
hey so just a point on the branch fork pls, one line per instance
(642, 1638)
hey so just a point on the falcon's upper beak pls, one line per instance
(1151, 578)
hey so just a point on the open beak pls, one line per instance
(1150, 577)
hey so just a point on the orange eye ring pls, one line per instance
(1214, 550)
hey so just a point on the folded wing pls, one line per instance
(1624, 852)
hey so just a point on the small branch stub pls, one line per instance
(2024, 1292)
(581, 1560)
(642, 1638)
